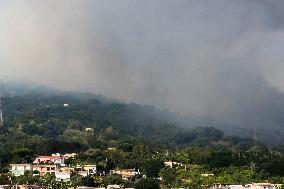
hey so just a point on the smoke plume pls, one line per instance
(218, 60)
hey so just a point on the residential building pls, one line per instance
(44, 169)
(56, 154)
(172, 164)
(264, 186)
(49, 160)
(115, 186)
(63, 176)
(227, 186)
(112, 149)
(91, 169)
(20, 169)
(86, 187)
(85, 170)
(70, 155)
(66, 156)
(207, 174)
(248, 186)
(22, 187)
(89, 129)
(126, 174)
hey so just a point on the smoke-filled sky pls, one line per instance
(217, 59)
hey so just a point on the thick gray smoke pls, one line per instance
(220, 60)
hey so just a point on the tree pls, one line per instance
(76, 179)
(6, 178)
(23, 155)
(114, 179)
(153, 167)
(28, 178)
(169, 176)
(92, 181)
(147, 183)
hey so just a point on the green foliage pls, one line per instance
(28, 178)
(169, 177)
(147, 183)
(114, 179)
(152, 167)
(23, 155)
(93, 181)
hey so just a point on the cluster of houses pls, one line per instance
(55, 165)
(248, 186)
(43, 187)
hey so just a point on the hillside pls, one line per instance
(38, 119)
(114, 135)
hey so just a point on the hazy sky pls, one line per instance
(218, 59)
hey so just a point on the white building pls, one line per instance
(115, 186)
(172, 164)
(264, 186)
(20, 169)
(63, 176)
(249, 186)
(126, 174)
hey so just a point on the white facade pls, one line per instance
(114, 186)
(172, 163)
(20, 169)
(249, 186)
(62, 176)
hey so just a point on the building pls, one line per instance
(49, 160)
(56, 154)
(264, 186)
(126, 174)
(20, 169)
(91, 169)
(86, 170)
(65, 156)
(115, 186)
(248, 186)
(227, 186)
(71, 155)
(83, 173)
(207, 174)
(89, 129)
(22, 187)
(86, 187)
(63, 176)
(111, 149)
(44, 169)
(172, 164)
(66, 169)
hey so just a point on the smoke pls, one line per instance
(219, 60)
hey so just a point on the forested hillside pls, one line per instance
(41, 123)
